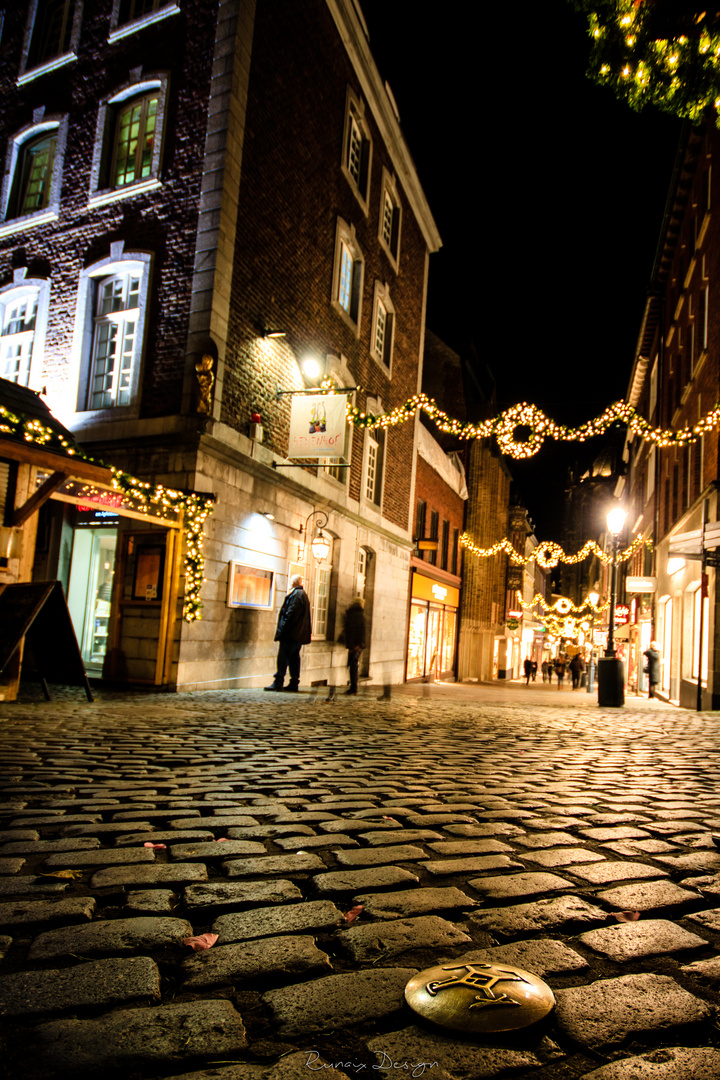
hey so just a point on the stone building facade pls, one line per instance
(198, 197)
(670, 490)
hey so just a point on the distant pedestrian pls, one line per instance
(534, 670)
(527, 668)
(545, 668)
(354, 637)
(560, 671)
(294, 630)
(577, 667)
(652, 667)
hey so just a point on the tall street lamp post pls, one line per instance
(611, 681)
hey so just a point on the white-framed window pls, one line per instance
(322, 583)
(33, 174)
(348, 275)
(23, 321)
(110, 328)
(361, 570)
(373, 467)
(51, 37)
(383, 327)
(357, 149)
(696, 599)
(128, 144)
(129, 16)
(390, 219)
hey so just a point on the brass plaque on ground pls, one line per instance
(479, 998)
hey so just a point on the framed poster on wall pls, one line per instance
(250, 586)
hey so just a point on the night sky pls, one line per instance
(549, 196)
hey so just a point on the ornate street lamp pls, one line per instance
(611, 677)
(320, 544)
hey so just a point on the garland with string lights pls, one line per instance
(563, 618)
(194, 507)
(656, 52)
(521, 430)
(548, 554)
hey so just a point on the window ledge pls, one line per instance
(102, 198)
(29, 222)
(139, 24)
(392, 259)
(387, 371)
(347, 319)
(43, 69)
(363, 200)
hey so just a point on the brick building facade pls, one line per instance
(674, 382)
(184, 183)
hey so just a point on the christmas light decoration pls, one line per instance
(548, 554)
(563, 606)
(656, 52)
(521, 430)
(151, 498)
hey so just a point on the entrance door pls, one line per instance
(90, 592)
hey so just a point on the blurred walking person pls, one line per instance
(354, 638)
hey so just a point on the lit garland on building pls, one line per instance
(548, 554)
(656, 52)
(521, 430)
(155, 498)
(563, 606)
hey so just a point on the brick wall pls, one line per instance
(162, 222)
(292, 193)
(450, 507)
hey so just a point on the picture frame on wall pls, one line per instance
(148, 575)
(250, 586)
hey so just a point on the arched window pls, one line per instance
(23, 318)
(109, 332)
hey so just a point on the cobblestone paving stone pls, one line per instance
(338, 847)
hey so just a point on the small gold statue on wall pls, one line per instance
(206, 379)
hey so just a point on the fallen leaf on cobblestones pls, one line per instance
(202, 941)
(353, 913)
(156, 847)
(626, 916)
(222, 840)
(65, 874)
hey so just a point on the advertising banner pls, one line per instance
(317, 426)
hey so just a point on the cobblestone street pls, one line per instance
(520, 824)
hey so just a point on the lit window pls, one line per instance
(134, 141)
(345, 294)
(322, 600)
(109, 335)
(33, 172)
(357, 149)
(128, 145)
(348, 275)
(34, 175)
(19, 317)
(116, 318)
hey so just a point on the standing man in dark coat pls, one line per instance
(652, 666)
(293, 631)
(354, 636)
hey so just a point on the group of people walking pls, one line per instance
(558, 667)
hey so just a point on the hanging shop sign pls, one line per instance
(92, 497)
(622, 614)
(640, 584)
(317, 426)
(424, 588)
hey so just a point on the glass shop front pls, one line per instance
(432, 635)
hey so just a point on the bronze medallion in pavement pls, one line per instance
(479, 998)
